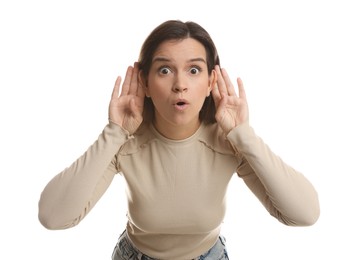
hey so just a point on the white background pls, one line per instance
(300, 63)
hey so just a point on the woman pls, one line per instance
(177, 133)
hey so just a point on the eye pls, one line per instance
(195, 70)
(164, 70)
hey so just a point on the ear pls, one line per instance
(143, 83)
(212, 81)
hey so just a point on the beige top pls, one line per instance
(176, 189)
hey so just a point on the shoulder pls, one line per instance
(214, 138)
(138, 141)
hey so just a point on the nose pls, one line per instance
(179, 85)
(179, 89)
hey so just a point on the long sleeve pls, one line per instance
(284, 192)
(71, 194)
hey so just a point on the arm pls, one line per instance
(285, 193)
(71, 194)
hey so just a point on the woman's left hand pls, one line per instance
(231, 109)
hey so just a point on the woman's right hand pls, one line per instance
(126, 108)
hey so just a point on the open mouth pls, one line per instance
(181, 105)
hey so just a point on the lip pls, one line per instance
(181, 104)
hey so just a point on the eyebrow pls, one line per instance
(163, 59)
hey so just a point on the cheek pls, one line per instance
(157, 93)
(154, 88)
(205, 87)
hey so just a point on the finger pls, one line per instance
(216, 95)
(215, 91)
(241, 88)
(115, 92)
(126, 85)
(220, 80)
(229, 86)
(134, 80)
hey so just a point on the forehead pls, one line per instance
(180, 49)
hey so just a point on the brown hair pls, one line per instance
(178, 30)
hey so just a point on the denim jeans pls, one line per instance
(125, 250)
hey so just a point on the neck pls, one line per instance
(175, 131)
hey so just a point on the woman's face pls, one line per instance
(178, 83)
